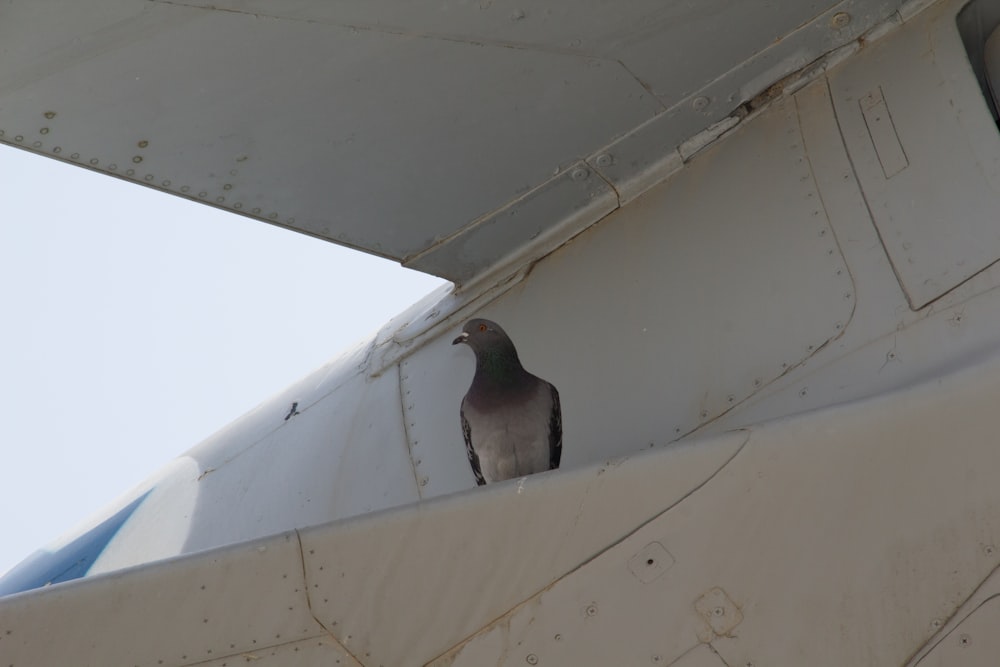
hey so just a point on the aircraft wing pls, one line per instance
(445, 136)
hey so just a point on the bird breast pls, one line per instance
(511, 437)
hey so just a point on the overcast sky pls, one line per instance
(136, 323)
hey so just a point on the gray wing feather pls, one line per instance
(555, 431)
(473, 457)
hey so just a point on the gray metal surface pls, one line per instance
(969, 637)
(403, 129)
(973, 643)
(304, 653)
(928, 163)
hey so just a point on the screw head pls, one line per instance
(604, 160)
(580, 174)
(531, 659)
(840, 20)
(590, 610)
(700, 103)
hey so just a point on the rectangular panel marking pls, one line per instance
(883, 133)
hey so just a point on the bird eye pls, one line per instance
(483, 327)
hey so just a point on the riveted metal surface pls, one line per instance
(577, 197)
(924, 145)
(885, 344)
(972, 643)
(756, 527)
(328, 447)
(764, 539)
(650, 562)
(432, 419)
(698, 282)
(357, 457)
(719, 611)
(390, 126)
(700, 656)
(228, 602)
(306, 653)
(302, 123)
(641, 159)
(466, 559)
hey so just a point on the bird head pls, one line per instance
(482, 334)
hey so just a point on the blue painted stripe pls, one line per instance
(72, 561)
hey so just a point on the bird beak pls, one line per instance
(462, 337)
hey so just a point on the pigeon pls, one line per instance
(510, 418)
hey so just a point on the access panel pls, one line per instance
(926, 152)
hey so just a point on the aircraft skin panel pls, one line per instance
(920, 158)
(979, 627)
(874, 355)
(160, 524)
(753, 536)
(371, 162)
(178, 612)
(466, 558)
(397, 136)
(579, 196)
(434, 592)
(636, 32)
(304, 653)
(686, 264)
(776, 575)
(663, 244)
(358, 462)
